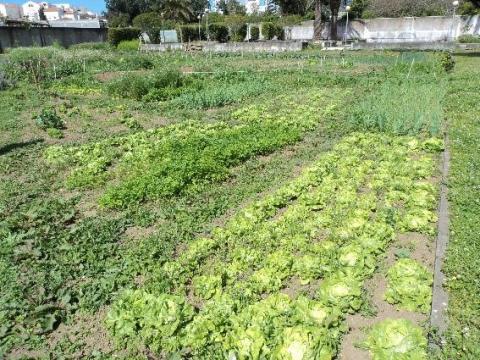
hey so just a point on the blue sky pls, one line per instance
(94, 5)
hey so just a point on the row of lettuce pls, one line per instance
(181, 158)
(278, 280)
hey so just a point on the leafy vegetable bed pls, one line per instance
(170, 160)
(279, 278)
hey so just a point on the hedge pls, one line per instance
(270, 30)
(190, 33)
(238, 32)
(254, 33)
(218, 32)
(116, 35)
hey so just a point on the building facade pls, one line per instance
(31, 10)
(10, 11)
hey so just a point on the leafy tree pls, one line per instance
(289, 7)
(131, 8)
(469, 7)
(117, 21)
(231, 7)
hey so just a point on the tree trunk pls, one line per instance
(334, 7)
(317, 24)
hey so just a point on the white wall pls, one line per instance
(397, 30)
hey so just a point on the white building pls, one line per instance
(10, 11)
(31, 10)
(53, 13)
(70, 14)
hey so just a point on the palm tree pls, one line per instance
(177, 10)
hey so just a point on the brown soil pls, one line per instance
(138, 232)
(421, 249)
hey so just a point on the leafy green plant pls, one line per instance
(239, 271)
(49, 119)
(128, 45)
(396, 339)
(409, 286)
(447, 61)
(468, 39)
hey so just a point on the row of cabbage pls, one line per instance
(167, 161)
(278, 280)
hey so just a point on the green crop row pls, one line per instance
(252, 289)
(178, 158)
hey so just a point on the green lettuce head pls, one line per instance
(396, 340)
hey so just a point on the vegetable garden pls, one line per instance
(232, 206)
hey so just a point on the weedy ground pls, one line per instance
(155, 153)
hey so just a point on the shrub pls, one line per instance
(279, 32)
(189, 33)
(254, 33)
(5, 83)
(218, 32)
(468, 38)
(238, 32)
(447, 61)
(49, 119)
(268, 30)
(128, 45)
(159, 86)
(116, 35)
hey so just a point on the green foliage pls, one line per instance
(447, 61)
(152, 23)
(189, 33)
(462, 260)
(470, 8)
(158, 320)
(91, 46)
(117, 35)
(237, 27)
(469, 39)
(269, 30)
(396, 339)
(254, 33)
(119, 21)
(154, 87)
(179, 158)
(128, 45)
(238, 272)
(218, 32)
(402, 106)
(54, 133)
(409, 286)
(357, 8)
(49, 119)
